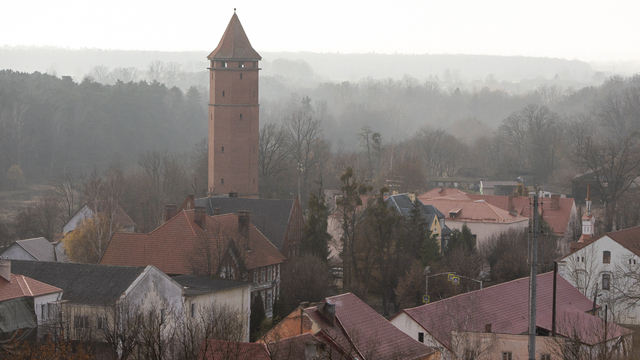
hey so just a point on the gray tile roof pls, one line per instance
(198, 285)
(41, 249)
(87, 284)
(270, 216)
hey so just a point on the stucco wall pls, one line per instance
(237, 299)
(16, 252)
(82, 214)
(484, 230)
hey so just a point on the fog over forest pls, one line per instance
(403, 117)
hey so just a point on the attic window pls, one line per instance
(507, 355)
(606, 257)
(240, 64)
(421, 337)
(454, 213)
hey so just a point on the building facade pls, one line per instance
(233, 114)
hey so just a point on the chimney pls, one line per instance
(200, 216)
(233, 194)
(511, 206)
(216, 211)
(555, 202)
(487, 328)
(5, 269)
(328, 311)
(169, 211)
(243, 226)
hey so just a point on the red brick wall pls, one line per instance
(238, 164)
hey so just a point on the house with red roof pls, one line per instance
(25, 303)
(226, 246)
(352, 329)
(607, 266)
(452, 325)
(481, 217)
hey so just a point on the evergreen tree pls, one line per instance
(462, 239)
(416, 229)
(315, 238)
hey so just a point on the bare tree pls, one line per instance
(273, 157)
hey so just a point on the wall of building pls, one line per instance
(16, 252)
(410, 327)
(82, 214)
(484, 230)
(236, 299)
(584, 270)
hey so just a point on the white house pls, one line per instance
(36, 249)
(88, 212)
(608, 267)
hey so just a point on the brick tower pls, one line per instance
(233, 114)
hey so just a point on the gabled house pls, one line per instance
(280, 221)
(95, 295)
(482, 218)
(300, 347)
(403, 204)
(36, 249)
(606, 267)
(25, 303)
(88, 211)
(192, 242)
(348, 325)
(453, 324)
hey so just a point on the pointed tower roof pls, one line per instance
(234, 43)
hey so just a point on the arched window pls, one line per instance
(606, 257)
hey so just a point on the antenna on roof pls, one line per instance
(234, 10)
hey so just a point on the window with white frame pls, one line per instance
(507, 355)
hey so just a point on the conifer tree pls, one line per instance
(315, 238)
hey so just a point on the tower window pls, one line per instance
(222, 93)
(254, 93)
(224, 64)
(240, 116)
(240, 76)
(222, 181)
(254, 181)
(223, 149)
(240, 64)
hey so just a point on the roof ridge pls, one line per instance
(20, 279)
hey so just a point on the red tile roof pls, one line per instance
(506, 307)
(359, 326)
(22, 286)
(171, 247)
(558, 219)
(472, 211)
(234, 43)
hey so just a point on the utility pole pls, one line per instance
(533, 277)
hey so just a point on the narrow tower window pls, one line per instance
(222, 93)
(222, 181)
(240, 64)
(240, 116)
(240, 76)
(223, 149)
(224, 64)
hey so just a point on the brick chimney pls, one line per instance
(328, 311)
(555, 202)
(511, 206)
(216, 211)
(200, 216)
(169, 211)
(5, 269)
(244, 223)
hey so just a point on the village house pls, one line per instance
(36, 249)
(350, 328)
(281, 221)
(468, 323)
(95, 295)
(482, 218)
(192, 242)
(25, 303)
(87, 211)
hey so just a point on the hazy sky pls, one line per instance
(586, 30)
